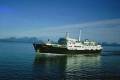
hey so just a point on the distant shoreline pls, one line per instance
(5, 41)
(19, 40)
(14, 42)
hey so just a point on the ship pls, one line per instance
(67, 45)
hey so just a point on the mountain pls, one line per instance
(110, 44)
(23, 39)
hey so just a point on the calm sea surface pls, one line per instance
(18, 61)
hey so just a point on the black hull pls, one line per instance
(42, 48)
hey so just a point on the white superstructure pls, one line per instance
(74, 44)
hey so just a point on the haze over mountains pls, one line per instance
(22, 39)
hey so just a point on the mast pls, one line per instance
(79, 36)
(67, 35)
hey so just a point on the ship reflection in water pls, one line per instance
(71, 67)
(49, 67)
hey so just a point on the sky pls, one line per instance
(98, 19)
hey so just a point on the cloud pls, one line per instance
(76, 27)
(94, 24)
(102, 22)
(103, 30)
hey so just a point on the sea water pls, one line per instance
(18, 61)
